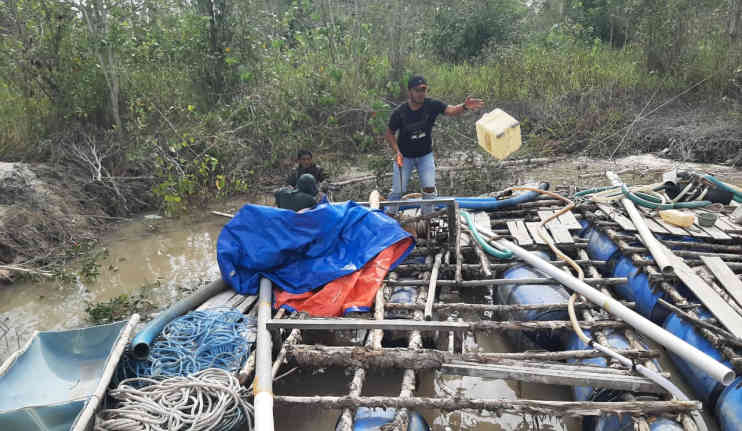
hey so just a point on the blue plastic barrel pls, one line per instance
(535, 294)
(588, 393)
(599, 246)
(612, 423)
(371, 419)
(617, 340)
(729, 407)
(639, 290)
(704, 387)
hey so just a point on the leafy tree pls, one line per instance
(459, 31)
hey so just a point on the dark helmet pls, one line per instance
(307, 184)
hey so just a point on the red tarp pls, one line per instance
(353, 292)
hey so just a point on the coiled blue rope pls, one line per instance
(214, 338)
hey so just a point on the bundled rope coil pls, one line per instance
(214, 338)
(212, 399)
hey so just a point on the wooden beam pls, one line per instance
(412, 325)
(536, 231)
(572, 376)
(725, 275)
(560, 234)
(318, 356)
(519, 231)
(509, 282)
(615, 214)
(723, 312)
(533, 407)
(501, 308)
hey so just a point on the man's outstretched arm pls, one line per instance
(470, 104)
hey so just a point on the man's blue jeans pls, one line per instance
(425, 166)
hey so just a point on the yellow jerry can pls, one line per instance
(498, 133)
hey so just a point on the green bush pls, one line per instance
(460, 31)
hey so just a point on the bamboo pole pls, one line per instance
(613, 281)
(263, 384)
(696, 255)
(532, 407)
(413, 325)
(494, 266)
(367, 357)
(505, 234)
(461, 306)
(293, 338)
(459, 255)
(484, 262)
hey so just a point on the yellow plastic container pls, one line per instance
(498, 133)
(678, 218)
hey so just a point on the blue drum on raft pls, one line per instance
(704, 387)
(534, 294)
(612, 423)
(638, 288)
(729, 407)
(371, 419)
(617, 341)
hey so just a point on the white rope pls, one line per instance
(212, 399)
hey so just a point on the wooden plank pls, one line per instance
(560, 234)
(707, 295)
(217, 300)
(569, 220)
(575, 376)
(716, 233)
(654, 226)
(615, 215)
(247, 303)
(725, 275)
(733, 227)
(725, 224)
(697, 232)
(534, 228)
(519, 231)
(675, 230)
(544, 214)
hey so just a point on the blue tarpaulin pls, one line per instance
(300, 252)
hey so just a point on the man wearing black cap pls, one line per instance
(409, 132)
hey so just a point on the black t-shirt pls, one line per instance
(415, 127)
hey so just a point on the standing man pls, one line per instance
(413, 146)
(306, 166)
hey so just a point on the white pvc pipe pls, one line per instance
(707, 364)
(263, 386)
(661, 258)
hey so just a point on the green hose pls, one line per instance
(653, 205)
(724, 186)
(500, 254)
(648, 197)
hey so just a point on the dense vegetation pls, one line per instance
(171, 102)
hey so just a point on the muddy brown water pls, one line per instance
(164, 258)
